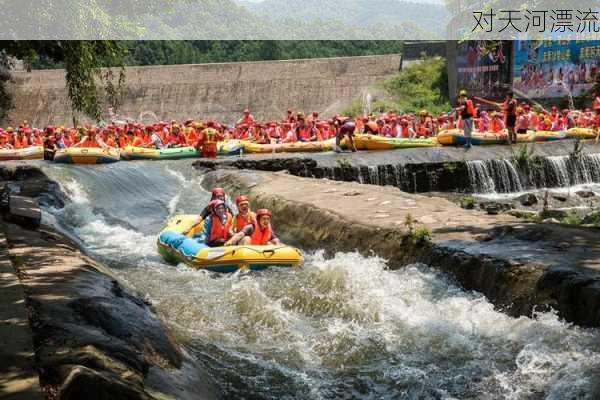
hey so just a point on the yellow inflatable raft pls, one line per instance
(456, 137)
(175, 246)
(297, 147)
(375, 142)
(28, 153)
(582, 133)
(87, 155)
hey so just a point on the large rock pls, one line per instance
(24, 211)
(85, 383)
(94, 339)
(527, 199)
(585, 194)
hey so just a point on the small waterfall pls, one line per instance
(370, 175)
(505, 176)
(479, 175)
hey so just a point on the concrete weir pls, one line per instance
(441, 169)
(520, 266)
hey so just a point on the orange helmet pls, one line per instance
(262, 212)
(241, 199)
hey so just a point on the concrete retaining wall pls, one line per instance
(214, 90)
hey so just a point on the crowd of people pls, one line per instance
(298, 127)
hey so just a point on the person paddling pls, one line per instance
(217, 225)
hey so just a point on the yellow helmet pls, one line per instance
(423, 113)
(462, 93)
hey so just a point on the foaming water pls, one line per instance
(345, 327)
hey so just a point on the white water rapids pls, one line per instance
(340, 328)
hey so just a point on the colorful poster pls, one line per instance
(555, 68)
(484, 68)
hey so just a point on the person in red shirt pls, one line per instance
(289, 118)
(424, 126)
(303, 130)
(4, 140)
(247, 118)
(20, 140)
(289, 135)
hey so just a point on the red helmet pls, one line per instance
(261, 212)
(218, 192)
(213, 204)
(241, 199)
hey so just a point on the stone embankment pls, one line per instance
(520, 266)
(82, 333)
(437, 169)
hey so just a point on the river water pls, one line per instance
(339, 328)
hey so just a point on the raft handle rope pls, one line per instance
(232, 252)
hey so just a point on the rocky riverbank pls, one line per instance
(519, 265)
(92, 337)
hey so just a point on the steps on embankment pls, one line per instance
(517, 265)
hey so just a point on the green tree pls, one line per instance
(418, 86)
(82, 61)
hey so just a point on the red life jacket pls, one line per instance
(20, 143)
(423, 128)
(496, 125)
(89, 143)
(304, 133)
(261, 237)
(404, 131)
(241, 221)
(218, 230)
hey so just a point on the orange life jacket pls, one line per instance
(36, 141)
(496, 125)
(218, 230)
(304, 133)
(423, 128)
(261, 237)
(124, 141)
(241, 221)
(89, 143)
(20, 143)
(404, 131)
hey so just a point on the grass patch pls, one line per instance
(571, 219)
(418, 86)
(467, 202)
(417, 233)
